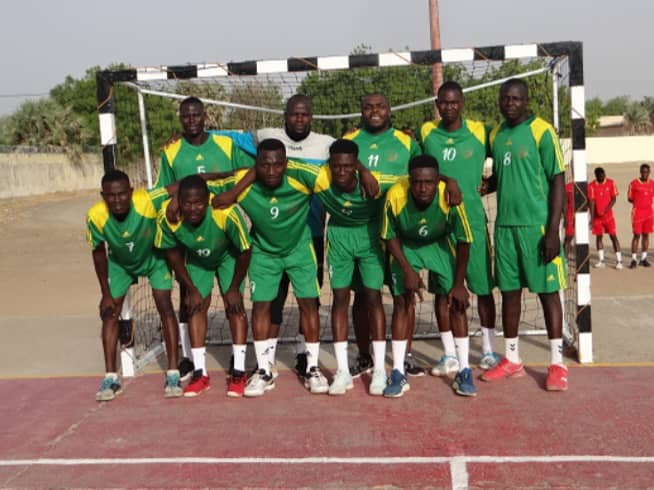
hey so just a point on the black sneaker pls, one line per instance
(645, 263)
(411, 368)
(301, 364)
(633, 264)
(362, 364)
(186, 369)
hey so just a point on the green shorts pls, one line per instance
(266, 272)
(203, 278)
(437, 258)
(155, 269)
(519, 262)
(479, 274)
(350, 248)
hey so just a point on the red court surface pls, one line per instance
(513, 435)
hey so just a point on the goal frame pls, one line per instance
(573, 50)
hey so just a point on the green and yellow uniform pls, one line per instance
(354, 224)
(461, 155)
(218, 154)
(425, 234)
(130, 242)
(212, 246)
(526, 159)
(281, 240)
(388, 152)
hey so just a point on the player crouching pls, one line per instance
(126, 221)
(418, 226)
(207, 243)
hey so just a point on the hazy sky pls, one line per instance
(44, 41)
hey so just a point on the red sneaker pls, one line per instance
(557, 378)
(236, 385)
(504, 369)
(199, 384)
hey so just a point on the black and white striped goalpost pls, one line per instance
(572, 50)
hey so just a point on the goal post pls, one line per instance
(567, 93)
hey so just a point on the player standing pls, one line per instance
(528, 170)
(641, 195)
(461, 146)
(278, 206)
(126, 221)
(206, 244)
(418, 227)
(196, 152)
(602, 193)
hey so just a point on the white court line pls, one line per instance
(459, 473)
(454, 460)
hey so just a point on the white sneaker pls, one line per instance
(618, 266)
(259, 383)
(315, 382)
(489, 360)
(341, 384)
(446, 365)
(378, 383)
(599, 265)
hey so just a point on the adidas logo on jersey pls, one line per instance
(422, 221)
(347, 204)
(508, 143)
(374, 146)
(126, 234)
(550, 278)
(200, 238)
(273, 200)
(199, 157)
(450, 141)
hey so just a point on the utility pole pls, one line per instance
(435, 33)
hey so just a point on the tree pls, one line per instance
(616, 106)
(46, 123)
(594, 109)
(258, 94)
(636, 119)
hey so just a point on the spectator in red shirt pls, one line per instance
(602, 193)
(640, 195)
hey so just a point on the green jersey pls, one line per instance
(460, 154)
(220, 231)
(417, 227)
(388, 152)
(279, 216)
(130, 241)
(345, 208)
(218, 154)
(525, 160)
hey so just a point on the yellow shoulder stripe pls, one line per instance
(224, 143)
(427, 128)
(172, 150)
(404, 138)
(351, 135)
(538, 128)
(143, 204)
(397, 196)
(478, 130)
(298, 186)
(493, 134)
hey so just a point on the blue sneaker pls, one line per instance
(489, 360)
(109, 388)
(463, 384)
(397, 385)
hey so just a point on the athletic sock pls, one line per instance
(556, 351)
(643, 256)
(634, 256)
(113, 376)
(261, 351)
(340, 351)
(600, 252)
(448, 343)
(398, 348)
(239, 356)
(379, 354)
(198, 354)
(272, 351)
(185, 340)
(462, 345)
(618, 257)
(313, 349)
(301, 344)
(511, 351)
(487, 339)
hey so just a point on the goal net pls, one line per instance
(140, 113)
